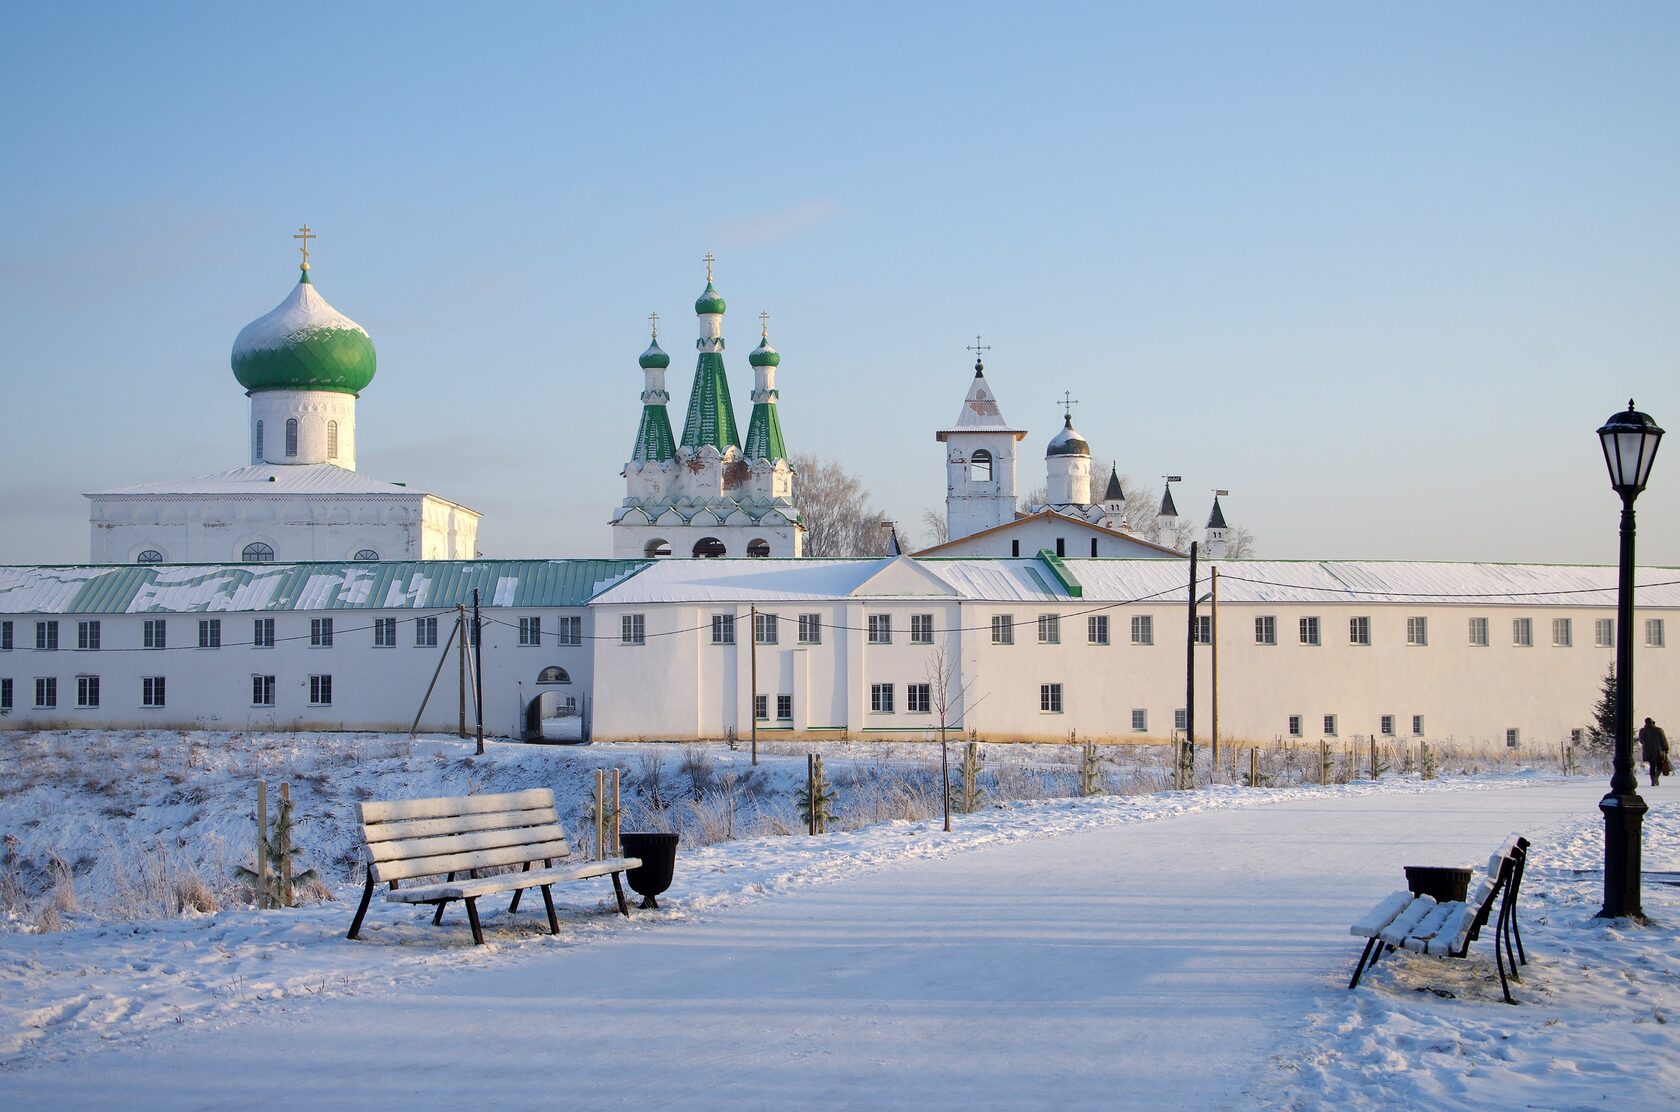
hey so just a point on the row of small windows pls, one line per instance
(257, 552)
(292, 439)
(154, 633)
(706, 548)
(1385, 725)
(918, 698)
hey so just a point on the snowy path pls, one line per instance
(1096, 968)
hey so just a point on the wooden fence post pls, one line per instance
(617, 850)
(262, 844)
(286, 848)
(600, 816)
(1254, 767)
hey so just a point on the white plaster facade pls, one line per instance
(324, 429)
(1051, 531)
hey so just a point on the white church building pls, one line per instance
(303, 365)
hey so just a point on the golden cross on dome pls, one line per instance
(764, 326)
(653, 318)
(709, 261)
(306, 235)
(1067, 403)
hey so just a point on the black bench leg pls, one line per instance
(618, 887)
(517, 892)
(548, 902)
(1359, 970)
(1516, 933)
(472, 917)
(437, 918)
(367, 894)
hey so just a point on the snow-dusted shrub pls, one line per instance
(63, 893)
(701, 770)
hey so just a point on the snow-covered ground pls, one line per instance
(1068, 951)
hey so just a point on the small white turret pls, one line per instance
(1114, 502)
(1067, 465)
(1213, 547)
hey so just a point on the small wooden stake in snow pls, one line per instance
(617, 850)
(811, 793)
(262, 843)
(600, 817)
(1254, 767)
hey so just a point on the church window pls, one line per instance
(154, 633)
(209, 633)
(46, 636)
(810, 629)
(1003, 629)
(257, 444)
(880, 629)
(633, 629)
(530, 631)
(723, 629)
(1143, 629)
(921, 629)
(366, 555)
(765, 629)
(384, 633)
(320, 691)
(87, 635)
(257, 553)
(87, 691)
(332, 439)
(291, 436)
(709, 548)
(980, 467)
(571, 629)
(149, 556)
(553, 674)
(425, 633)
(758, 547)
(656, 548)
(262, 633)
(151, 691)
(321, 633)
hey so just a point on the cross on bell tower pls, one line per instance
(306, 235)
(979, 349)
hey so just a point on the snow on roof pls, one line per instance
(745, 580)
(393, 585)
(269, 479)
(302, 314)
(980, 412)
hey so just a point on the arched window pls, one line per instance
(257, 444)
(366, 554)
(709, 547)
(332, 439)
(291, 436)
(553, 674)
(980, 467)
(258, 553)
(656, 547)
(758, 548)
(150, 556)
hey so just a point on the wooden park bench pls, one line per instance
(1446, 928)
(459, 839)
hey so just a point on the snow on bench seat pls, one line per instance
(507, 882)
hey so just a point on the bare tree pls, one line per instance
(1239, 544)
(835, 507)
(945, 701)
(934, 528)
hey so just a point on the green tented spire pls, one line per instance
(764, 431)
(653, 436)
(711, 415)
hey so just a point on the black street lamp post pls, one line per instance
(1630, 442)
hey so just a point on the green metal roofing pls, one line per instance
(351, 585)
(709, 302)
(654, 358)
(764, 434)
(1064, 574)
(764, 356)
(653, 438)
(711, 415)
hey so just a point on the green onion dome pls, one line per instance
(654, 358)
(303, 344)
(764, 355)
(710, 302)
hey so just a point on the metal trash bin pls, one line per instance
(658, 852)
(1444, 883)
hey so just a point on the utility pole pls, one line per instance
(478, 671)
(461, 654)
(1190, 668)
(752, 707)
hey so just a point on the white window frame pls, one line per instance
(1604, 633)
(810, 629)
(1385, 725)
(46, 692)
(1265, 629)
(1296, 725)
(880, 698)
(1143, 629)
(88, 635)
(1330, 725)
(1359, 630)
(1522, 633)
(1417, 630)
(1311, 634)
(1479, 632)
(1417, 725)
(1049, 629)
(87, 692)
(1050, 698)
(210, 633)
(1140, 720)
(723, 629)
(262, 633)
(766, 629)
(1654, 637)
(154, 691)
(784, 708)
(1563, 633)
(321, 690)
(530, 632)
(571, 629)
(46, 636)
(632, 629)
(425, 632)
(1204, 629)
(262, 690)
(880, 629)
(154, 633)
(1096, 629)
(320, 633)
(1003, 629)
(921, 629)
(384, 633)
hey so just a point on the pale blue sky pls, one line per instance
(1378, 270)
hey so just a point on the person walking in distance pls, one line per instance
(1653, 747)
